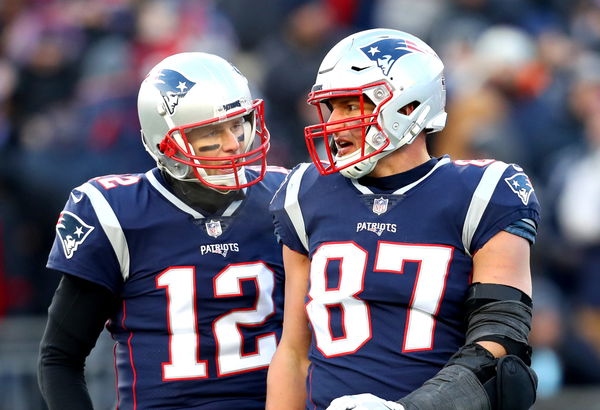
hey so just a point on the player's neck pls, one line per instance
(403, 159)
(202, 198)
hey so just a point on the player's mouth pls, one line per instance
(227, 167)
(222, 171)
(344, 147)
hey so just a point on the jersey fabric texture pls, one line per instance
(390, 270)
(202, 296)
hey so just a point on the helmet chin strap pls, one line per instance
(365, 166)
(359, 169)
(224, 180)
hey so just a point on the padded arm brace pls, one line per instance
(500, 314)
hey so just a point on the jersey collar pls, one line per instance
(158, 183)
(368, 191)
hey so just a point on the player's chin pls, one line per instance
(225, 170)
(345, 151)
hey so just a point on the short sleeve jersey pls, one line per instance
(202, 295)
(389, 271)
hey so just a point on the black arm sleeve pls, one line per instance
(76, 318)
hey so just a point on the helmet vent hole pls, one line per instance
(355, 68)
(409, 108)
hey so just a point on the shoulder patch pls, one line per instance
(521, 185)
(72, 231)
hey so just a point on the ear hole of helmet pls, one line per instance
(409, 108)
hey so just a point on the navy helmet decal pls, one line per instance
(172, 86)
(387, 51)
(71, 231)
(519, 183)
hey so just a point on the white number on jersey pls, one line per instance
(184, 340)
(390, 258)
(113, 181)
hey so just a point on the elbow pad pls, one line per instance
(500, 314)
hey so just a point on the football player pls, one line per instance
(180, 262)
(407, 277)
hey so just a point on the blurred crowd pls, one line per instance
(523, 79)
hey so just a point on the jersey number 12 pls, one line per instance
(184, 339)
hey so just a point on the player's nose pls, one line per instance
(231, 142)
(336, 120)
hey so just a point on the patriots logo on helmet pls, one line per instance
(72, 231)
(520, 185)
(172, 86)
(387, 51)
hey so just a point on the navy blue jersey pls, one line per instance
(202, 296)
(390, 271)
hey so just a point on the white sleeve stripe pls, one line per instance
(292, 205)
(110, 224)
(480, 200)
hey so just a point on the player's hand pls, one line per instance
(365, 401)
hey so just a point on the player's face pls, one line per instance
(345, 109)
(217, 140)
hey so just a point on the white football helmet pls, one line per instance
(392, 69)
(190, 90)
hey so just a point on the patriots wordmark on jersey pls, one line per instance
(390, 269)
(202, 296)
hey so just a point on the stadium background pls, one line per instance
(523, 81)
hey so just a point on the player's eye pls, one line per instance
(237, 127)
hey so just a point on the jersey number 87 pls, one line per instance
(434, 261)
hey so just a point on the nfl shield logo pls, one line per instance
(380, 205)
(213, 228)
